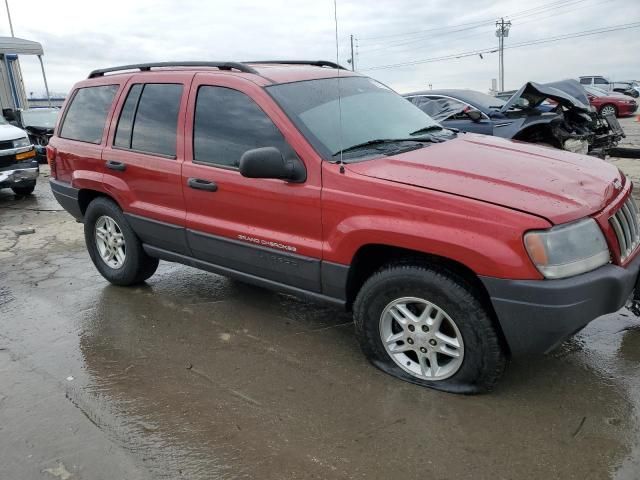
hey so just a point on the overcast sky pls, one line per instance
(80, 35)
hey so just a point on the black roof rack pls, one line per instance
(315, 63)
(145, 67)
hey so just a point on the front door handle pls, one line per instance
(113, 165)
(200, 184)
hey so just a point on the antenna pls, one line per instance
(335, 15)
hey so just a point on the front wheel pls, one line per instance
(428, 327)
(609, 109)
(113, 246)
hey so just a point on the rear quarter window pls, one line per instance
(87, 115)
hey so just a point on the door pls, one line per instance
(144, 155)
(264, 227)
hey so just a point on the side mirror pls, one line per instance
(268, 162)
(474, 115)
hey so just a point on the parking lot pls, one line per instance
(197, 376)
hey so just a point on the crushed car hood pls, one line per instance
(568, 93)
(557, 185)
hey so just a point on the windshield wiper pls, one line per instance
(429, 128)
(381, 141)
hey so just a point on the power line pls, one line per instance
(556, 4)
(428, 38)
(392, 48)
(557, 38)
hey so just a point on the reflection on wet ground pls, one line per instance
(197, 376)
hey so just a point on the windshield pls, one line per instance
(370, 111)
(40, 117)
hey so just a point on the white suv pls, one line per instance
(18, 165)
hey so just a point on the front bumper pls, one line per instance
(537, 315)
(628, 109)
(23, 173)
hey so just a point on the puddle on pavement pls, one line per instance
(198, 376)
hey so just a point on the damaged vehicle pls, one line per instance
(39, 124)
(555, 114)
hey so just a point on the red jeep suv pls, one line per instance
(454, 251)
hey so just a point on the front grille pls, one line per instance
(627, 227)
(6, 145)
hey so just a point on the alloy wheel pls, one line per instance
(110, 242)
(608, 110)
(421, 338)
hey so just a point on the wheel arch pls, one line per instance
(87, 195)
(609, 104)
(370, 258)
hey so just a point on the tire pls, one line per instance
(609, 108)
(481, 359)
(24, 190)
(133, 265)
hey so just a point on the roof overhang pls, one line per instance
(20, 46)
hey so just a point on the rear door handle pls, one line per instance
(113, 165)
(200, 184)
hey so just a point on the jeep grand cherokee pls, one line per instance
(454, 251)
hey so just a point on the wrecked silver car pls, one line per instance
(555, 114)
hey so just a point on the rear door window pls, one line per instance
(585, 81)
(86, 116)
(149, 119)
(227, 124)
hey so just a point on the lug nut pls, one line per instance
(433, 342)
(410, 341)
(425, 328)
(423, 350)
(411, 328)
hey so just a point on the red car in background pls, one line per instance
(610, 102)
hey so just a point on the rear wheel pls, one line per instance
(113, 246)
(428, 327)
(23, 190)
(609, 109)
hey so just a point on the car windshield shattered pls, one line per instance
(368, 117)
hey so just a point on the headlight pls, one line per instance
(22, 142)
(568, 250)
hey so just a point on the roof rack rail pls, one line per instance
(315, 63)
(145, 67)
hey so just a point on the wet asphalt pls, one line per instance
(197, 376)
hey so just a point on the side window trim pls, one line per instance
(153, 154)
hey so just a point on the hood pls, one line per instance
(568, 93)
(554, 184)
(9, 132)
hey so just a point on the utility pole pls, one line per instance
(6, 2)
(502, 31)
(353, 62)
